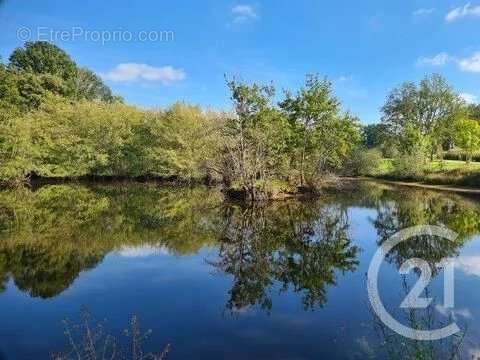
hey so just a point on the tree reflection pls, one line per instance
(48, 236)
(397, 347)
(297, 245)
(402, 209)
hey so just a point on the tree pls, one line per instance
(9, 92)
(374, 135)
(474, 111)
(413, 145)
(41, 67)
(89, 86)
(429, 107)
(323, 136)
(42, 57)
(186, 139)
(255, 137)
(467, 136)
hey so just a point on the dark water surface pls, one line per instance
(222, 281)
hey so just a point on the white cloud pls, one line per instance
(129, 72)
(468, 64)
(242, 13)
(475, 353)
(454, 313)
(469, 98)
(142, 251)
(438, 60)
(344, 78)
(471, 64)
(423, 12)
(460, 12)
(470, 265)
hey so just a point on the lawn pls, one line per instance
(447, 172)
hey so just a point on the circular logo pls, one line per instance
(411, 301)
(24, 33)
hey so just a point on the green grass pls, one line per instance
(435, 166)
(447, 172)
(452, 165)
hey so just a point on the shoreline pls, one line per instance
(39, 181)
(416, 184)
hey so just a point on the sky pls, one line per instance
(154, 52)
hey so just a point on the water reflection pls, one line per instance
(298, 245)
(300, 250)
(48, 236)
(405, 209)
(395, 346)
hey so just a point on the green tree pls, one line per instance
(467, 136)
(374, 135)
(430, 107)
(41, 67)
(42, 57)
(324, 137)
(9, 92)
(185, 141)
(255, 138)
(89, 86)
(474, 111)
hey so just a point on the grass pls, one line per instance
(446, 172)
(386, 167)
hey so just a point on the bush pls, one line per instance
(410, 165)
(364, 162)
(461, 155)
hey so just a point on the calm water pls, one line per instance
(217, 281)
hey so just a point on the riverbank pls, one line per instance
(458, 189)
(448, 174)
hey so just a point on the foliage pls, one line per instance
(474, 111)
(84, 138)
(467, 136)
(255, 138)
(364, 162)
(87, 85)
(323, 136)
(429, 108)
(42, 57)
(374, 135)
(459, 154)
(60, 120)
(40, 69)
(410, 165)
(185, 142)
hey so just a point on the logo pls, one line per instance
(414, 300)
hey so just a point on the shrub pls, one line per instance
(364, 162)
(461, 155)
(410, 165)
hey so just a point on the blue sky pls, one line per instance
(365, 47)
